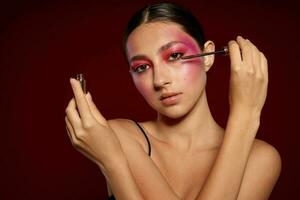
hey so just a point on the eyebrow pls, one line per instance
(162, 48)
(138, 57)
(169, 45)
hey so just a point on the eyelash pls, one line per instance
(139, 70)
(177, 58)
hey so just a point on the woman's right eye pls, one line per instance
(141, 68)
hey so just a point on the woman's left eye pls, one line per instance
(175, 56)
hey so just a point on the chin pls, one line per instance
(172, 113)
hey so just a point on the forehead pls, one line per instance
(151, 36)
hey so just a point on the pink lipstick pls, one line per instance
(170, 98)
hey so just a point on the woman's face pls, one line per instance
(170, 86)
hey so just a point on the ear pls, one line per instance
(208, 61)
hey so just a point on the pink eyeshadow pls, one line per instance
(190, 43)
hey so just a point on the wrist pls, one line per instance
(245, 113)
(113, 163)
(247, 120)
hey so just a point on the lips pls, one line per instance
(170, 98)
(167, 95)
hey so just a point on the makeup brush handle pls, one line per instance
(224, 51)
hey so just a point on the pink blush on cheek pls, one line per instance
(191, 72)
(142, 86)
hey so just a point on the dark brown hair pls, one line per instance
(166, 12)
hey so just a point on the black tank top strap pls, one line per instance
(111, 198)
(149, 146)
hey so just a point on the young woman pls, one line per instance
(183, 153)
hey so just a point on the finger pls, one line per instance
(74, 140)
(81, 101)
(234, 54)
(246, 50)
(73, 114)
(264, 66)
(256, 59)
(70, 130)
(95, 111)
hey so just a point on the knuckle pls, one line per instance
(267, 80)
(66, 119)
(255, 49)
(232, 43)
(67, 110)
(262, 55)
(81, 136)
(76, 143)
(250, 72)
(235, 67)
(88, 125)
(235, 70)
(247, 47)
(249, 69)
(264, 58)
(260, 78)
(248, 42)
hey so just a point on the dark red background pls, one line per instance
(43, 43)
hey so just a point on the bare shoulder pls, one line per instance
(262, 171)
(264, 161)
(264, 158)
(128, 132)
(122, 127)
(265, 154)
(120, 122)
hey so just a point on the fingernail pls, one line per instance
(71, 80)
(89, 95)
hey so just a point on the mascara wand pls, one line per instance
(223, 51)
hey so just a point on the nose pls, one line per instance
(161, 76)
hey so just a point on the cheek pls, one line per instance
(192, 73)
(142, 85)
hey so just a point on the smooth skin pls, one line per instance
(192, 158)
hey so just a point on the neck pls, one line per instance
(197, 128)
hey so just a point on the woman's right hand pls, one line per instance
(88, 130)
(248, 77)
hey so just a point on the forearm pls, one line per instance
(121, 180)
(227, 172)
